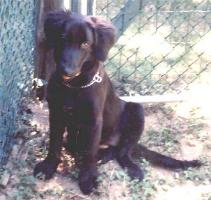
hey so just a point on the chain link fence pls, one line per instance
(165, 47)
(17, 42)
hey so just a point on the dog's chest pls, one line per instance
(69, 103)
(75, 106)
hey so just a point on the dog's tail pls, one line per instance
(161, 160)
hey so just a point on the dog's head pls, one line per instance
(77, 39)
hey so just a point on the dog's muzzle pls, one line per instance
(70, 77)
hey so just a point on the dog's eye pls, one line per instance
(85, 45)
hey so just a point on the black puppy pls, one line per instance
(82, 101)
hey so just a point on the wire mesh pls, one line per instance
(165, 47)
(17, 22)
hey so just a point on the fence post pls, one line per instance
(75, 5)
(91, 7)
(79, 6)
(84, 7)
(44, 60)
(126, 15)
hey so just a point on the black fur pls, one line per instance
(93, 115)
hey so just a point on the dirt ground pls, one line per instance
(182, 130)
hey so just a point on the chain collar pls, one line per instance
(96, 79)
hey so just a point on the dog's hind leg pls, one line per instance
(131, 126)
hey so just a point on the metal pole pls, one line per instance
(84, 7)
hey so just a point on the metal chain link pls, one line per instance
(17, 21)
(172, 56)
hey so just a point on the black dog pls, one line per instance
(82, 101)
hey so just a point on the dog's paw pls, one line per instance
(88, 180)
(46, 169)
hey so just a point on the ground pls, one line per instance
(182, 130)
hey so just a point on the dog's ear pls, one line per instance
(105, 37)
(53, 26)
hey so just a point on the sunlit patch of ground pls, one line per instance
(191, 122)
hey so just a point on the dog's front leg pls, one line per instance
(57, 126)
(88, 170)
